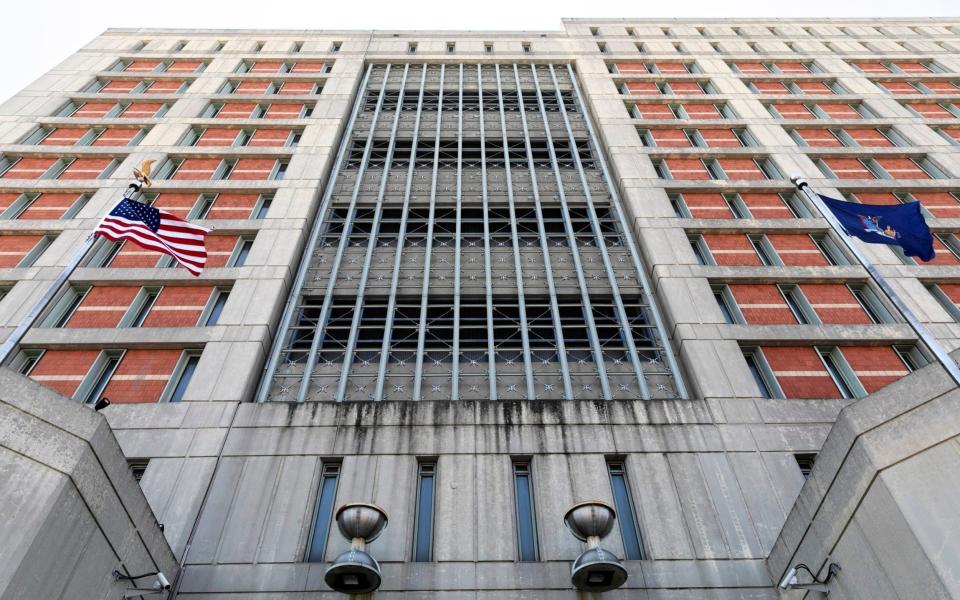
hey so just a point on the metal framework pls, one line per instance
(470, 245)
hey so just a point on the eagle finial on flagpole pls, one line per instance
(141, 177)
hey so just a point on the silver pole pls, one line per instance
(939, 352)
(11, 343)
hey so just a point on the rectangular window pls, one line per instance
(948, 305)
(38, 249)
(488, 48)
(798, 304)
(765, 251)
(280, 170)
(626, 515)
(240, 253)
(323, 515)
(805, 462)
(412, 48)
(727, 304)
(140, 307)
(423, 521)
(97, 378)
(527, 48)
(871, 303)
(64, 308)
(262, 208)
(525, 512)
(451, 47)
(177, 386)
(830, 250)
(214, 308)
(841, 373)
(762, 374)
(700, 250)
(138, 467)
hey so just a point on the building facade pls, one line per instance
(476, 278)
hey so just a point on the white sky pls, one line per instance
(37, 34)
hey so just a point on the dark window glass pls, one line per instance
(185, 376)
(217, 308)
(757, 375)
(324, 512)
(423, 532)
(526, 528)
(632, 547)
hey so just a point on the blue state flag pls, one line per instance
(897, 225)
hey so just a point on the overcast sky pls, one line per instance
(36, 34)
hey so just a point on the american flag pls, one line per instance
(154, 229)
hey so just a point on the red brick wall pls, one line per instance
(766, 206)
(64, 136)
(85, 168)
(49, 206)
(178, 307)
(233, 206)
(141, 110)
(219, 249)
(797, 249)
(29, 168)
(731, 249)
(103, 306)
(14, 247)
(236, 110)
(284, 111)
(93, 110)
(252, 168)
(141, 376)
(687, 169)
(875, 366)
(800, 372)
(63, 370)
(835, 303)
(132, 256)
(762, 304)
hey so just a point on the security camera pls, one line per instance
(162, 582)
(789, 579)
(101, 404)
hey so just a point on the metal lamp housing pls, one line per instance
(595, 570)
(355, 571)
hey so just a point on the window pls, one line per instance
(737, 206)
(525, 512)
(527, 48)
(214, 308)
(423, 521)
(219, 46)
(297, 47)
(911, 356)
(626, 515)
(240, 253)
(713, 168)
(830, 250)
(168, 168)
(280, 170)
(323, 515)
(871, 303)
(97, 378)
(762, 374)
(700, 250)
(798, 304)
(262, 207)
(335, 47)
(631, 32)
(765, 251)
(488, 47)
(952, 309)
(595, 31)
(602, 47)
(177, 47)
(224, 169)
(138, 467)
(727, 304)
(177, 386)
(768, 168)
(201, 208)
(680, 208)
(929, 167)
(841, 373)
(805, 462)
(412, 48)
(65, 306)
(451, 47)
(796, 205)
(31, 257)
(744, 137)
(140, 307)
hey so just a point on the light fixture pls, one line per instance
(160, 586)
(101, 404)
(595, 570)
(791, 582)
(355, 571)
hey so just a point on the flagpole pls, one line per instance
(13, 340)
(935, 347)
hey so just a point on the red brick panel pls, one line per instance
(886, 198)
(178, 307)
(655, 111)
(942, 87)
(702, 111)
(132, 256)
(266, 66)
(253, 168)
(141, 376)
(814, 87)
(670, 138)
(874, 366)
(142, 66)
(952, 291)
(871, 67)
(141, 110)
(751, 67)
(797, 250)
(218, 136)
(835, 303)
(184, 66)
(848, 168)
(120, 86)
(762, 304)
(720, 138)
(901, 168)
(49, 206)
(912, 67)
(639, 88)
(819, 138)
(792, 67)
(940, 204)
(116, 136)
(898, 87)
(672, 68)
(731, 249)
(307, 66)
(29, 168)
(943, 257)
(14, 247)
(839, 111)
(707, 206)
(197, 168)
(64, 136)
(252, 87)
(270, 138)
(236, 110)
(86, 168)
(7, 199)
(103, 306)
(770, 87)
(284, 111)
(165, 86)
(800, 372)
(297, 88)
(632, 68)
(233, 206)
(219, 249)
(178, 204)
(63, 370)
(869, 138)
(687, 168)
(793, 110)
(741, 168)
(686, 87)
(766, 206)
(930, 110)
(93, 110)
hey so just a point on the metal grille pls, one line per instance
(470, 246)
